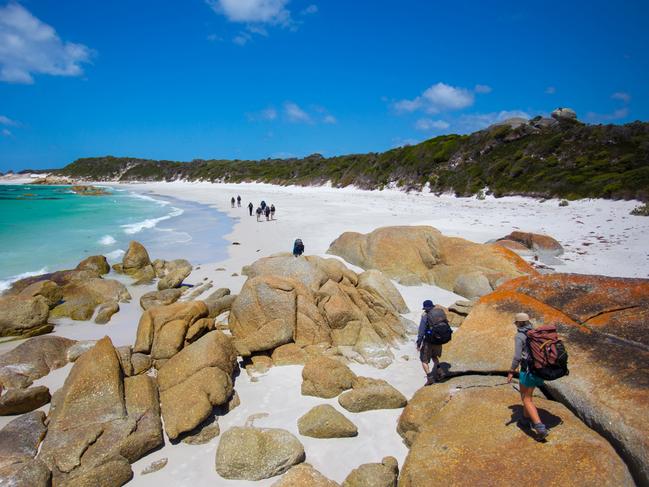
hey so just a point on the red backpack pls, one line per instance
(548, 358)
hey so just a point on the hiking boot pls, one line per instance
(430, 379)
(540, 430)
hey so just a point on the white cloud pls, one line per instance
(608, 117)
(214, 38)
(477, 121)
(267, 114)
(550, 90)
(29, 46)
(439, 97)
(482, 89)
(253, 11)
(310, 10)
(296, 114)
(242, 38)
(9, 122)
(426, 124)
(329, 119)
(6, 133)
(622, 96)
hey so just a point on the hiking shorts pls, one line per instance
(528, 379)
(428, 351)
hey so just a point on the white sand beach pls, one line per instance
(599, 237)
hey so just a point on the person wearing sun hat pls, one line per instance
(527, 380)
(429, 351)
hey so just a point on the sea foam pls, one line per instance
(6, 283)
(107, 240)
(132, 228)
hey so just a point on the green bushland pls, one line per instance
(568, 160)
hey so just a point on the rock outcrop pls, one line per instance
(564, 114)
(100, 421)
(325, 421)
(94, 263)
(24, 316)
(314, 301)
(603, 321)
(416, 255)
(304, 475)
(171, 273)
(368, 394)
(248, 453)
(476, 420)
(537, 243)
(384, 474)
(195, 380)
(19, 401)
(160, 298)
(162, 330)
(32, 360)
(19, 442)
(325, 377)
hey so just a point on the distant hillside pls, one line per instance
(544, 158)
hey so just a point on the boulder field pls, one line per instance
(423, 255)
(603, 321)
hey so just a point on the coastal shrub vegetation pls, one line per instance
(562, 160)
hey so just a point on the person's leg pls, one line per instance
(424, 365)
(530, 411)
(435, 370)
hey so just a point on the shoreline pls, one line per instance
(318, 216)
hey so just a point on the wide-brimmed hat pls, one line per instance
(522, 317)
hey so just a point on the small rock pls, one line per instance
(155, 466)
(325, 421)
(374, 395)
(106, 311)
(205, 435)
(19, 401)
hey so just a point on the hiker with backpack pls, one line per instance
(434, 331)
(258, 211)
(541, 356)
(239, 201)
(298, 247)
(232, 200)
(272, 212)
(250, 207)
(267, 213)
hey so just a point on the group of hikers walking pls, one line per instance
(262, 210)
(538, 352)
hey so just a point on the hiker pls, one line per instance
(272, 212)
(258, 211)
(267, 213)
(232, 202)
(239, 201)
(526, 379)
(434, 331)
(298, 247)
(250, 207)
(263, 205)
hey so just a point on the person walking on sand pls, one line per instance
(434, 331)
(267, 213)
(258, 211)
(250, 207)
(298, 247)
(232, 202)
(239, 201)
(272, 212)
(263, 205)
(527, 380)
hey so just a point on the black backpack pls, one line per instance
(437, 332)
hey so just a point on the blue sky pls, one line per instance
(243, 79)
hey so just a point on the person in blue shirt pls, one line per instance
(429, 351)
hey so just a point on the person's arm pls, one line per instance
(516, 360)
(421, 331)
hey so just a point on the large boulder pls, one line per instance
(326, 377)
(325, 421)
(81, 297)
(162, 330)
(135, 259)
(369, 394)
(542, 244)
(23, 316)
(219, 301)
(420, 254)
(384, 474)
(375, 282)
(172, 273)
(564, 114)
(19, 401)
(94, 263)
(195, 380)
(287, 266)
(479, 425)
(160, 298)
(304, 475)
(248, 453)
(100, 422)
(19, 441)
(603, 321)
(50, 290)
(33, 359)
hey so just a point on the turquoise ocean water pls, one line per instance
(48, 228)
